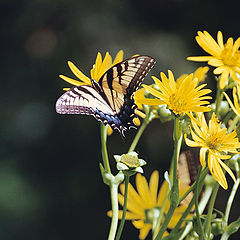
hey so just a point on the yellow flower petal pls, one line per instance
(220, 39)
(128, 216)
(133, 195)
(224, 78)
(229, 171)
(162, 193)
(231, 104)
(153, 186)
(78, 73)
(138, 224)
(143, 190)
(118, 58)
(200, 59)
(219, 70)
(144, 231)
(203, 152)
(191, 143)
(71, 81)
(131, 206)
(215, 62)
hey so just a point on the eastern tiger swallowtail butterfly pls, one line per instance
(110, 100)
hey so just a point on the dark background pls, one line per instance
(50, 184)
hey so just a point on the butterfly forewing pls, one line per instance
(122, 80)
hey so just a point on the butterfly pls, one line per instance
(110, 100)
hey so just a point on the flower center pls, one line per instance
(230, 57)
(213, 142)
(130, 161)
(177, 104)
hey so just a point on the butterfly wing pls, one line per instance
(85, 99)
(187, 173)
(120, 82)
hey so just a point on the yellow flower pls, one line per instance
(99, 68)
(236, 98)
(225, 57)
(180, 98)
(215, 141)
(200, 74)
(144, 206)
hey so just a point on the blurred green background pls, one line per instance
(50, 184)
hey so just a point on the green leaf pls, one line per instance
(233, 227)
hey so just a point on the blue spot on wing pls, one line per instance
(111, 119)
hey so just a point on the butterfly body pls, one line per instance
(110, 100)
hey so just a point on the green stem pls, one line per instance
(192, 187)
(186, 212)
(228, 117)
(202, 205)
(225, 236)
(114, 200)
(159, 220)
(219, 98)
(147, 119)
(196, 193)
(113, 184)
(233, 124)
(207, 224)
(120, 229)
(230, 199)
(174, 193)
(104, 148)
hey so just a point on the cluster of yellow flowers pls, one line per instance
(186, 96)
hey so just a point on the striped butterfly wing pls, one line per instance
(120, 82)
(85, 99)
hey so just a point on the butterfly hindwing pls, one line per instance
(86, 100)
(111, 99)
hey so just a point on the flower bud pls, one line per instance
(129, 163)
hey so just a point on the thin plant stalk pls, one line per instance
(147, 119)
(186, 212)
(207, 224)
(114, 200)
(113, 184)
(120, 229)
(192, 187)
(230, 199)
(202, 205)
(159, 220)
(233, 124)
(104, 148)
(219, 98)
(225, 235)
(196, 193)
(174, 192)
